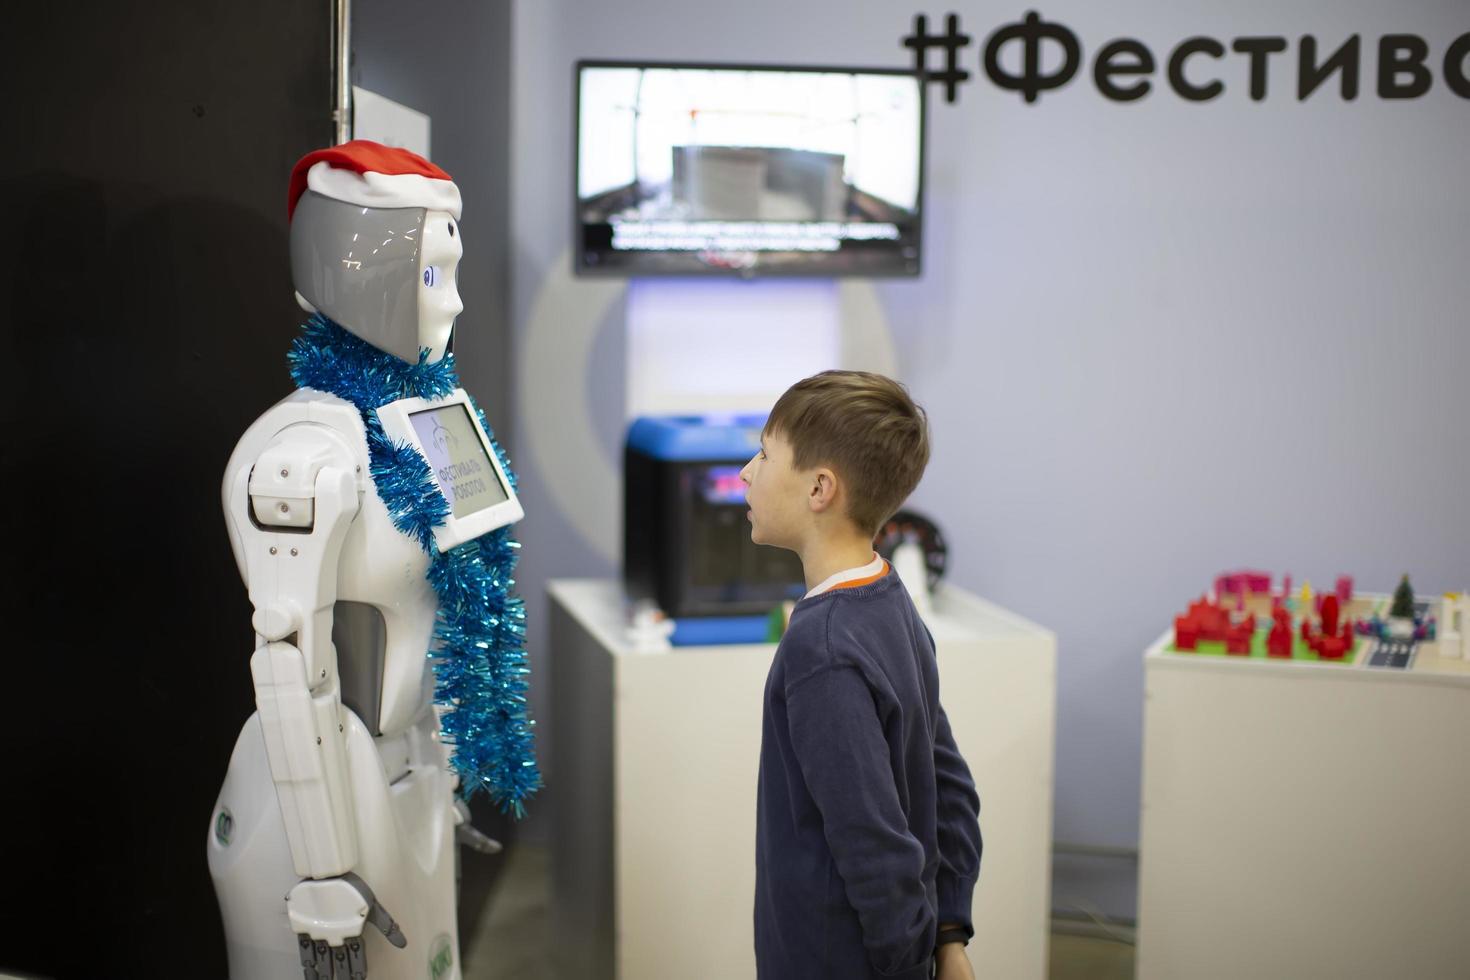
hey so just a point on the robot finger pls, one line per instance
(312, 968)
(356, 960)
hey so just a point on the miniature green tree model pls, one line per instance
(1403, 600)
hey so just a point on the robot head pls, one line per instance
(375, 245)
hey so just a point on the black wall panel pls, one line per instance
(147, 311)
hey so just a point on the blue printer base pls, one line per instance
(713, 630)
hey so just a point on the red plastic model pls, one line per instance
(1278, 644)
(1328, 641)
(1330, 609)
(1242, 584)
(1206, 620)
(1210, 620)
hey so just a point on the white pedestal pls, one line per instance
(655, 758)
(1304, 820)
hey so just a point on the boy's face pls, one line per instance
(776, 494)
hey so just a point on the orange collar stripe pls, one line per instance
(869, 580)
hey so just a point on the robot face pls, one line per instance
(438, 283)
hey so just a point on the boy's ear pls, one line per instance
(823, 489)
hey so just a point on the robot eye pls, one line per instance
(431, 275)
(451, 229)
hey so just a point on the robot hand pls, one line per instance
(327, 917)
(466, 834)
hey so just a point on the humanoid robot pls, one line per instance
(332, 843)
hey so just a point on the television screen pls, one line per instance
(748, 170)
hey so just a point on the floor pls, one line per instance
(512, 940)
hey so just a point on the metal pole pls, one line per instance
(342, 70)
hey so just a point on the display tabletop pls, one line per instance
(1428, 666)
(654, 759)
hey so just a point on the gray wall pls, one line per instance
(451, 60)
(1156, 340)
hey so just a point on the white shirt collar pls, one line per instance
(847, 575)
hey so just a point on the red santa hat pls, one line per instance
(374, 176)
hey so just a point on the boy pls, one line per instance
(867, 820)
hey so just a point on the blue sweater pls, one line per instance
(867, 820)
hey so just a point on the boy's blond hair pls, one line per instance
(866, 428)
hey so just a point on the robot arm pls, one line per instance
(292, 512)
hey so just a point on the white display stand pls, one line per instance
(1304, 820)
(654, 762)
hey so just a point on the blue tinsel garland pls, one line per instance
(479, 644)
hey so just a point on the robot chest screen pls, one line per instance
(459, 461)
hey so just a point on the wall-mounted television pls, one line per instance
(747, 170)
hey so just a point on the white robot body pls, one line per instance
(315, 789)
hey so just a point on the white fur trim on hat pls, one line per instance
(375, 190)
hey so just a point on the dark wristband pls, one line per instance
(952, 936)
